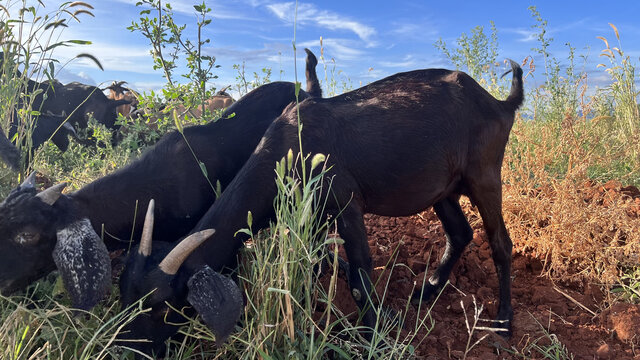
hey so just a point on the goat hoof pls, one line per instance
(503, 328)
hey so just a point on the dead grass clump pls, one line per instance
(581, 231)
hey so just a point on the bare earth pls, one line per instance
(573, 312)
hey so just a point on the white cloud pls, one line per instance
(340, 49)
(113, 57)
(525, 35)
(414, 32)
(65, 76)
(256, 3)
(142, 86)
(309, 13)
(185, 7)
(407, 62)
(373, 73)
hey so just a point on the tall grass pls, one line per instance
(289, 313)
(41, 325)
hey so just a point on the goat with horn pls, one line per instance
(30, 228)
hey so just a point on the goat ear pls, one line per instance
(217, 299)
(84, 264)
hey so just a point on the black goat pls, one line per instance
(31, 228)
(49, 126)
(395, 147)
(76, 99)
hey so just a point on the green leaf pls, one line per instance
(80, 42)
(298, 85)
(203, 168)
(342, 354)
(177, 122)
(243, 231)
(280, 291)
(55, 46)
(218, 190)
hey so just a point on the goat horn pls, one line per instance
(51, 195)
(30, 181)
(172, 262)
(147, 231)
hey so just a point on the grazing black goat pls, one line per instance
(394, 147)
(32, 229)
(77, 100)
(49, 126)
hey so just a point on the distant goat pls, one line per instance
(49, 126)
(42, 230)
(119, 92)
(64, 110)
(394, 147)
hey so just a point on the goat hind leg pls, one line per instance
(459, 234)
(489, 202)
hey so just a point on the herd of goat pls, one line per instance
(394, 147)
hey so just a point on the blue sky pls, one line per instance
(368, 40)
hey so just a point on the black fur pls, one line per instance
(167, 173)
(395, 147)
(9, 154)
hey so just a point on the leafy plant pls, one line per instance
(477, 55)
(169, 45)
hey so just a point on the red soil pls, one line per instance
(539, 304)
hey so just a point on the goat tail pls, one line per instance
(313, 85)
(516, 96)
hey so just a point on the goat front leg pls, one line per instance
(351, 229)
(458, 233)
